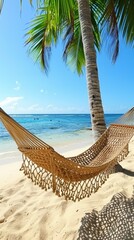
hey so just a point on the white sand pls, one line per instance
(29, 213)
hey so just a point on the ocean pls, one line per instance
(54, 129)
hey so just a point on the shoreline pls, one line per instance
(68, 147)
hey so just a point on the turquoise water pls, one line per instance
(54, 129)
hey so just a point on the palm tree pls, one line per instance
(117, 15)
(96, 108)
(57, 17)
(81, 21)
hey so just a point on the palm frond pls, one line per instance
(65, 8)
(125, 15)
(96, 12)
(73, 52)
(46, 27)
(110, 25)
(74, 55)
(41, 36)
(118, 18)
(1, 5)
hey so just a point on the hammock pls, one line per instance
(75, 177)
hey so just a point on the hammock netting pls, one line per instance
(75, 177)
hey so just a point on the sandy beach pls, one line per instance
(29, 213)
(67, 75)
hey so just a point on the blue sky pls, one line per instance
(24, 87)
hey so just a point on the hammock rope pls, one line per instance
(75, 177)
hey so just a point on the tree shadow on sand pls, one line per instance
(114, 222)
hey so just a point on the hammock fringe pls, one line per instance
(75, 177)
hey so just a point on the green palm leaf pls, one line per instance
(125, 15)
(1, 5)
(60, 18)
(110, 29)
(118, 17)
(42, 35)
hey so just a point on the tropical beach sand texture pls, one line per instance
(29, 213)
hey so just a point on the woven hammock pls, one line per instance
(75, 177)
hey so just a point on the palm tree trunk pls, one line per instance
(96, 108)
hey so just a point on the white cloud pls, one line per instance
(8, 101)
(17, 88)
